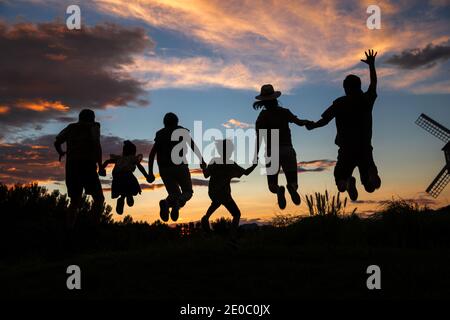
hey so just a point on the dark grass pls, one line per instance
(319, 257)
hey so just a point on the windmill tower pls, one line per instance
(442, 133)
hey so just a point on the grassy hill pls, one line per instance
(318, 257)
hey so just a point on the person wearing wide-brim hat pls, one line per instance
(274, 119)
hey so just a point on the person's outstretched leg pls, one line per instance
(164, 210)
(368, 172)
(272, 182)
(292, 186)
(173, 191)
(205, 219)
(236, 213)
(120, 204)
(185, 183)
(130, 200)
(343, 171)
(288, 162)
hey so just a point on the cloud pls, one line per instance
(439, 87)
(48, 71)
(315, 165)
(426, 57)
(200, 182)
(292, 44)
(202, 71)
(233, 123)
(144, 187)
(419, 81)
(35, 160)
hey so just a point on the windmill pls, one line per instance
(442, 133)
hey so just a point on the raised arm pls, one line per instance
(370, 60)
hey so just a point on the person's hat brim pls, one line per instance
(272, 96)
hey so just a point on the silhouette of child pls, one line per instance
(173, 166)
(124, 183)
(220, 171)
(274, 117)
(353, 114)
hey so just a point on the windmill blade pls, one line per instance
(447, 154)
(439, 183)
(433, 127)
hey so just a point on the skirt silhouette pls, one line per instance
(124, 184)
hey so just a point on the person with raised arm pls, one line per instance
(353, 116)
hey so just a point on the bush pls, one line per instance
(322, 204)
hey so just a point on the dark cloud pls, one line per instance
(144, 186)
(200, 182)
(48, 70)
(426, 57)
(315, 165)
(23, 162)
(204, 183)
(34, 159)
(250, 223)
(113, 145)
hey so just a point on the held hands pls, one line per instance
(203, 165)
(102, 171)
(311, 125)
(370, 58)
(150, 178)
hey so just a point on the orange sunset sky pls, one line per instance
(133, 61)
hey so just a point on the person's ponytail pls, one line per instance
(267, 104)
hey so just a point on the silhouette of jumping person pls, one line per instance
(84, 154)
(353, 114)
(124, 183)
(173, 167)
(220, 171)
(274, 117)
